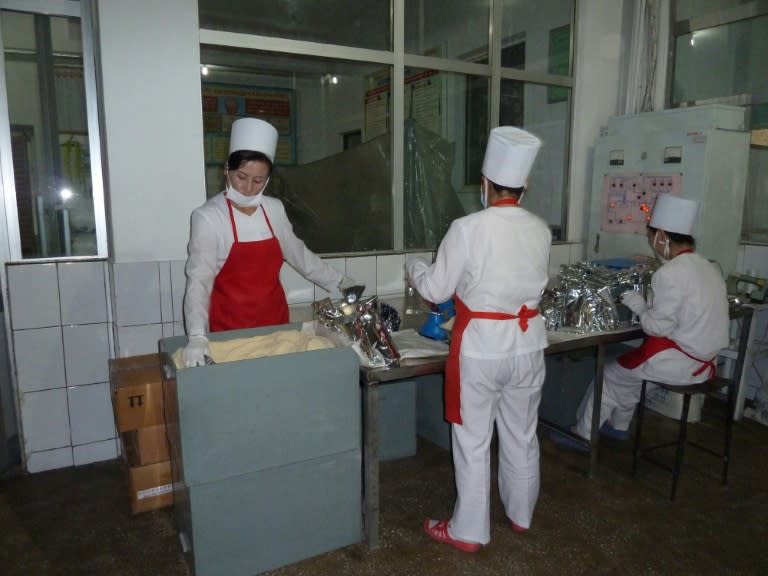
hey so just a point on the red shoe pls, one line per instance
(517, 528)
(438, 530)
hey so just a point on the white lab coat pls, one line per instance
(211, 239)
(495, 260)
(690, 307)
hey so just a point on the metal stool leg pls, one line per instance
(681, 440)
(731, 396)
(638, 432)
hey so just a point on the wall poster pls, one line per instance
(423, 96)
(225, 103)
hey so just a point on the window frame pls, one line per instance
(399, 60)
(85, 10)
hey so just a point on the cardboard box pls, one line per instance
(134, 362)
(145, 446)
(670, 404)
(137, 398)
(151, 487)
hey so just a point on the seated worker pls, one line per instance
(686, 323)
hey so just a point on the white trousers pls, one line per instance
(621, 389)
(506, 392)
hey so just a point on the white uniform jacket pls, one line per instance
(690, 306)
(494, 260)
(211, 239)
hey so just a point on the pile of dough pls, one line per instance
(274, 344)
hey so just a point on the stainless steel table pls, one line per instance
(372, 378)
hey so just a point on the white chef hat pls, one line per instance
(509, 156)
(253, 134)
(674, 214)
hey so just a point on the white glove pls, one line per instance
(351, 291)
(195, 351)
(347, 282)
(633, 300)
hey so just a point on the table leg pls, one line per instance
(371, 465)
(597, 398)
(744, 358)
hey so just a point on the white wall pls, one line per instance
(150, 61)
(599, 50)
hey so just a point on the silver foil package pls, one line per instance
(360, 324)
(586, 297)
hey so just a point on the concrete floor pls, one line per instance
(77, 521)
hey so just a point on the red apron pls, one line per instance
(452, 370)
(651, 346)
(452, 390)
(247, 292)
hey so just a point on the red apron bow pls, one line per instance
(452, 371)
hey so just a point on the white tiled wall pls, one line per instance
(60, 322)
(363, 270)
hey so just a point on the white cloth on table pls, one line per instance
(411, 344)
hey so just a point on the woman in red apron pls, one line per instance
(686, 325)
(238, 242)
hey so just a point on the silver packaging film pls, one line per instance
(586, 297)
(359, 324)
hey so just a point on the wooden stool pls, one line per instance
(687, 390)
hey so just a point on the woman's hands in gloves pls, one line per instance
(633, 300)
(195, 351)
(350, 289)
(347, 282)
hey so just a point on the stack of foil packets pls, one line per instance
(587, 295)
(357, 322)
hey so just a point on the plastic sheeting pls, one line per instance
(343, 203)
(431, 203)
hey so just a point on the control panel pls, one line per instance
(627, 199)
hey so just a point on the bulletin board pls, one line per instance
(225, 103)
(423, 95)
(376, 106)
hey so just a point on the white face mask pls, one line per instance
(241, 199)
(483, 201)
(665, 256)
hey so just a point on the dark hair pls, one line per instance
(675, 237)
(501, 189)
(240, 157)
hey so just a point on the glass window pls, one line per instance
(687, 9)
(454, 30)
(343, 22)
(545, 27)
(446, 128)
(546, 112)
(726, 60)
(445, 111)
(333, 163)
(46, 94)
(725, 63)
